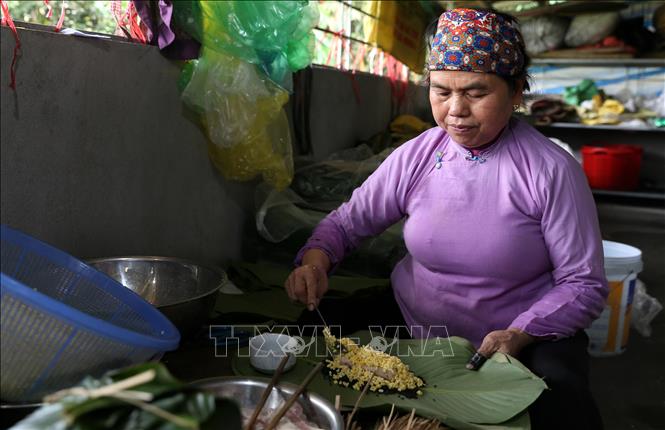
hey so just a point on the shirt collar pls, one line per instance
(486, 151)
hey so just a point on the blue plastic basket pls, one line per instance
(62, 320)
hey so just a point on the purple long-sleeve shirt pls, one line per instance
(510, 239)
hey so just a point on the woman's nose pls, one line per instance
(458, 106)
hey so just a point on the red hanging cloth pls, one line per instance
(128, 21)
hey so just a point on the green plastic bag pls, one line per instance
(273, 34)
(249, 49)
(187, 15)
(186, 74)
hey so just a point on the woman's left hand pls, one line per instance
(510, 341)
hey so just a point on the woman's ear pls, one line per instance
(518, 92)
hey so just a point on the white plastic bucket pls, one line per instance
(608, 335)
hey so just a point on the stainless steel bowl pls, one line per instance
(182, 290)
(247, 392)
(12, 413)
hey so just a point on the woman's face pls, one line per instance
(472, 107)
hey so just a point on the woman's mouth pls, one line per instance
(460, 129)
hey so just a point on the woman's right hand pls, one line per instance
(309, 282)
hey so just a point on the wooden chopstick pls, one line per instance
(267, 391)
(291, 400)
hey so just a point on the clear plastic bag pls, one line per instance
(645, 309)
(241, 110)
(239, 104)
(318, 188)
(237, 84)
(280, 214)
(236, 101)
(333, 180)
(267, 153)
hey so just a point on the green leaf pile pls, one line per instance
(200, 410)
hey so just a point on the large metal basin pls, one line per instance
(247, 392)
(182, 290)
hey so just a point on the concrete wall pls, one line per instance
(339, 120)
(98, 159)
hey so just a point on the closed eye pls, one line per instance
(476, 94)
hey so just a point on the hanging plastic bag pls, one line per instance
(241, 107)
(186, 74)
(241, 110)
(187, 15)
(267, 153)
(235, 101)
(275, 35)
(300, 49)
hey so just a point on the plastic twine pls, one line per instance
(7, 20)
(61, 20)
(49, 9)
(337, 40)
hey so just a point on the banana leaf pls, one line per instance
(260, 276)
(494, 397)
(191, 408)
(264, 294)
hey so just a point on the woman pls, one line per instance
(503, 242)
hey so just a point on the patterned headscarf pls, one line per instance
(470, 40)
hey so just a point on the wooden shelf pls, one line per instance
(600, 62)
(601, 127)
(572, 8)
(645, 195)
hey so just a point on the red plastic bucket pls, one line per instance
(613, 167)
